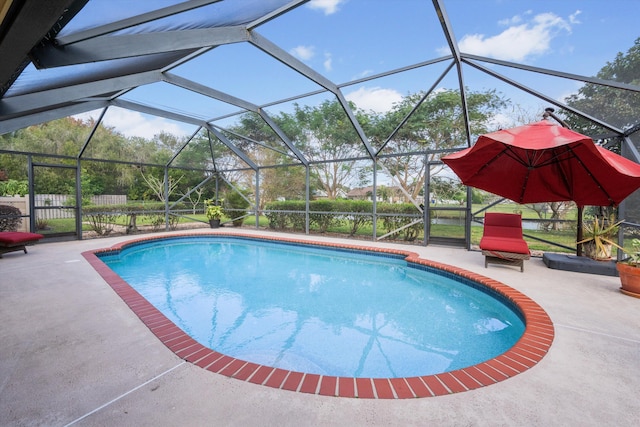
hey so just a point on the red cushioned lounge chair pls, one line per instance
(502, 241)
(17, 241)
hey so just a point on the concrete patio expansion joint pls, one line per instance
(604, 334)
(88, 414)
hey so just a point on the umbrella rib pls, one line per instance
(511, 153)
(563, 175)
(529, 164)
(524, 185)
(497, 156)
(611, 201)
(572, 155)
(532, 158)
(556, 157)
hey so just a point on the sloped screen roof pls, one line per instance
(182, 60)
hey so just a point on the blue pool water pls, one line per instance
(317, 310)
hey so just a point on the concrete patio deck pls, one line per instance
(73, 353)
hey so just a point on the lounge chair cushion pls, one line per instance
(502, 244)
(503, 232)
(18, 238)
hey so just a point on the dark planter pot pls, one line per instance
(214, 223)
(629, 279)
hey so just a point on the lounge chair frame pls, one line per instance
(11, 241)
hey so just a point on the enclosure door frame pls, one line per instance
(33, 167)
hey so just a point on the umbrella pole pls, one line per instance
(579, 245)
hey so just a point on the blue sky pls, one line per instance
(348, 39)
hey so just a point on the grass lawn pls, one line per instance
(62, 225)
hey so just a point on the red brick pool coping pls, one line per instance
(525, 354)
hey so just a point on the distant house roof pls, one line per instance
(366, 191)
(360, 192)
(323, 194)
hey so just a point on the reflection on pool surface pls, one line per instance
(318, 310)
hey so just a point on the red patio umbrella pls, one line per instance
(544, 162)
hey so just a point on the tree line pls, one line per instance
(322, 134)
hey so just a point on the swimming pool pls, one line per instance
(261, 327)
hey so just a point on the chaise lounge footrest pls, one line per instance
(17, 241)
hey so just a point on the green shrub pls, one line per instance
(101, 217)
(283, 220)
(157, 221)
(322, 221)
(325, 214)
(235, 206)
(154, 213)
(277, 220)
(14, 187)
(362, 214)
(398, 215)
(42, 224)
(298, 221)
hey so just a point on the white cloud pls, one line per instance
(500, 121)
(328, 65)
(521, 40)
(514, 20)
(362, 74)
(327, 6)
(374, 99)
(573, 18)
(303, 52)
(132, 123)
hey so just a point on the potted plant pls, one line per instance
(629, 271)
(213, 212)
(599, 238)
